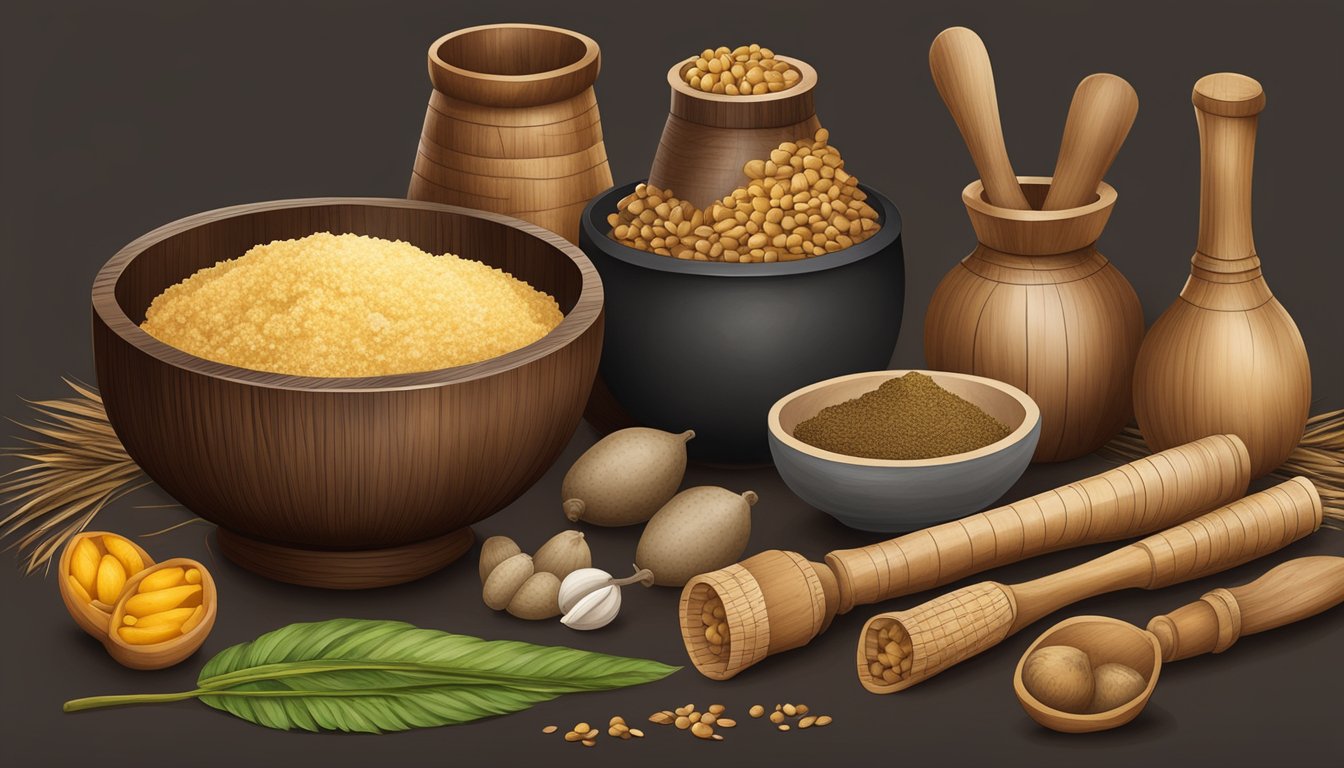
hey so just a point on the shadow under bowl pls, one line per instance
(710, 346)
(1104, 640)
(345, 482)
(903, 495)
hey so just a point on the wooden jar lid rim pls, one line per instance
(1228, 94)
(521, 90)
(768, 110)
(973, 197)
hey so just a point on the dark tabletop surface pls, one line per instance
(118, 117)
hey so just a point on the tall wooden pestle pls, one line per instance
(965, 80)
(1225, 357)
(1100, 116)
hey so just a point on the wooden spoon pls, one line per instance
(1102, 112)
(965, 80)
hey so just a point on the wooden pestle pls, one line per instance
(1100, 116)
(965, 79)
(776, 601)
(1295, 590)
(949, 629)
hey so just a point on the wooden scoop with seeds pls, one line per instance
(777, 601)
(943, 632)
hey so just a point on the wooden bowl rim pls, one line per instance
(888, 216)
(591, 56)
(1029, 421)
(972, 197)
(587, 308)
(806, 82)
(174, 646)
(1096, 720)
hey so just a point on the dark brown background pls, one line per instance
(119, 117)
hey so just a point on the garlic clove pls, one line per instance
(579, 584)
(596, 609)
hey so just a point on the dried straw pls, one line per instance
(1319, 457)
(75, 466)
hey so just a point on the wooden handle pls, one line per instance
(1146, 495)
(949, 629)
(1295, 590)
(1242, 531)
(965, 80)
(1226, 109)
(1102, 112)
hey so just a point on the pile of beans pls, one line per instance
(747, 70)
(798, 203)
(714, 619)
(586, 734)
(892, 658)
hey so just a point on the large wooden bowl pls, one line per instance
(345, 482)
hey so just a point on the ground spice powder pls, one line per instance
(908, 417)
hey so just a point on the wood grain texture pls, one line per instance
(170, 652)
(708, 137)
(949, 629)
(965, 79)
(345, 464)
(774, 599)
(1225, 356)
(1037, 306)
(1290, 592)
(1102, 112)
(1104, 640)
(512, 125)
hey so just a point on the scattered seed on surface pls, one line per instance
(783, 727)
(638, 734)
(756, 710)
(717, 737)
(702, 730)
(776, 717)
(683, 723)
(716, 709)
(550, 729)
(807, 722)
(823, 721)
(790, 710)
(589, 742)
(725, 722)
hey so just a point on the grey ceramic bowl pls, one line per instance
(887, 496)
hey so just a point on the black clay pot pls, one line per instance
(711, 346)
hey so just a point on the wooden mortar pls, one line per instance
(776, 601)
(1036, 305)
(708, 137)
(513, 125)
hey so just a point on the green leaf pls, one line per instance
(376, 676)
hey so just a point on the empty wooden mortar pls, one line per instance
(512, 124)
(1036, 305)
(776, 601)
(345, 482)
(1225, 356)
(1290, 592)
(708, 137)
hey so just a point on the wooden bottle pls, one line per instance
(1226, 356)
(776, 601)
(954, 627)
(513, 125)
(1036, 304)
(708, 137)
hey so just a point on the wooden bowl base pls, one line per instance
(345, 569)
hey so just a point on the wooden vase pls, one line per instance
(1036, 305)
(1225, 356)
(708, 137)
(513, 125)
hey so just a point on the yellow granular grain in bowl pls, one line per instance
(349, 305)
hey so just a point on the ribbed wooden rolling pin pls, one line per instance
(1293, 591)
(776, 601)
(943, 632)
